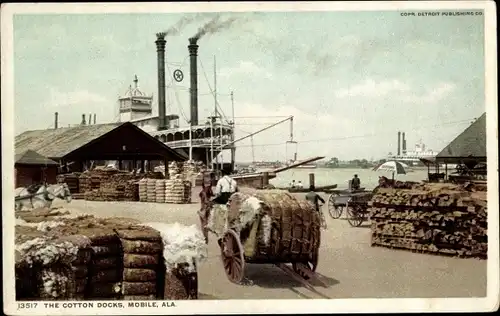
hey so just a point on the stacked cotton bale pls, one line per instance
(103, 258)
(151, 190)
(160, 191)
(279, 227)
(71, 179)
(174, 169)
(105, 270)
(141, 250)
(143, 189)
(80, 265)
(177, 191)
(83, 185)
(435, 218)
(45, 267)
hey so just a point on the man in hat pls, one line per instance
(314, 197)
(224, 188)
(355, 183)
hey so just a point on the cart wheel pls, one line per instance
(355, 215)
(334, 210)
(232, 256)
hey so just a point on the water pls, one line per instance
(325, 176)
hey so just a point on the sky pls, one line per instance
(351, 80)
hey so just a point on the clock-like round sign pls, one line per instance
(178, 75)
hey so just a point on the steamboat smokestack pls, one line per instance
(94, 117)
(399, 143)
(83, 119)
(193, 54)
(404, 144)
(160, 49)
(56, 119)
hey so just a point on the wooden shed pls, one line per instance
(31, 168)
(77, 146)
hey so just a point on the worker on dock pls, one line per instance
(204, 212)
(314, 197)
(292, 184)
(224, 188)
(355, 183)
(300, 185)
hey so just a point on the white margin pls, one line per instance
(489, 303)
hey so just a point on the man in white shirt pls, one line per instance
(299, 185)
(224, 188)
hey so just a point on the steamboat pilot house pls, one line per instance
(137, 107)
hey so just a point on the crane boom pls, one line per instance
(259, 131)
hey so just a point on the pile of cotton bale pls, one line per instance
(142, 248)
(178, 191)
(105, 269)
(60, 256)
(175, 168)
(435, 218)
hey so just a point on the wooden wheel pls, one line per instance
(355, 215)
(232, 256)
(334, 210)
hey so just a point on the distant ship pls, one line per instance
(304, 166)
(266, 165)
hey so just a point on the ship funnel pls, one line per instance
(193, 54)
(56, 119)
(83, 119)
(160, 49)
(404, 144)
(399, 143)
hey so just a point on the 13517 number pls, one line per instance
(26, 305)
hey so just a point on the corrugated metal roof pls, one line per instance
(56, 143)
(31, 157)
(470, 143)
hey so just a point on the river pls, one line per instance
(341, 176)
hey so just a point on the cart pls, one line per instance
(355, 203)
(296, 256)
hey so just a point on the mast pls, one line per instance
(233, 149)
(212, 120)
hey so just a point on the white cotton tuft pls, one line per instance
(47, 226)
(182, 245)
(22, 222)
(45, 252)
(249, 210)
(54, 284)
(266, 222)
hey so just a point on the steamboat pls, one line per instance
(201, 140)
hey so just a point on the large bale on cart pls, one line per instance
(267, 226)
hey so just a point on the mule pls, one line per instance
(43, 197)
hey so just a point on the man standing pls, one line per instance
(225, 187)
(314, 197)
(204, 212)
(355, 183)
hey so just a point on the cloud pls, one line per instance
(246, 68)
(396, 89)
(74, 98)
(371, 88)
(432, 95)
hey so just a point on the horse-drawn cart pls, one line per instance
(267, 226)
(40, 195)
(354, 202)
